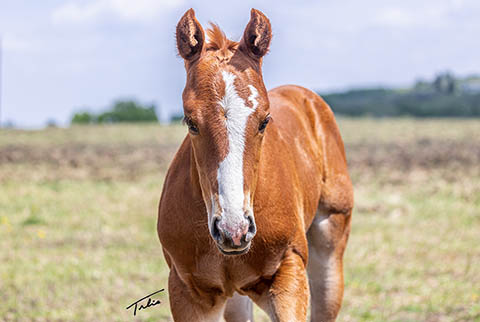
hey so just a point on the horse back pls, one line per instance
(313, 152)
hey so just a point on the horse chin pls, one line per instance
(232, 252)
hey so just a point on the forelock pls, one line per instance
(219, 45)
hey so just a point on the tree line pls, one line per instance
(120, 111)
(444, 96)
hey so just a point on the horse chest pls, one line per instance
(228, 275)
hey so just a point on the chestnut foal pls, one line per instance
(252, 209)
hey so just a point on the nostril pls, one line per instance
(252, 228)
(251, 224)
(215, 231)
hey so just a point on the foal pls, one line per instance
(258, 193)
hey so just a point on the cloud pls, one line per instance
(427, 14)
(395, 17)
(143, 11)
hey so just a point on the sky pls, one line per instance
(63, 56)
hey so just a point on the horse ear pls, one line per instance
(257, 35)
(190, 36)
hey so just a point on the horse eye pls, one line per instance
(263, 125)
(192, 127)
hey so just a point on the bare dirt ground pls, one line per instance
(131, 161)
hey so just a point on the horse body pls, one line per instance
(302, 201)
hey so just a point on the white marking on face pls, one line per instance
(230, 170)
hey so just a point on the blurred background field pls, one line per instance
(90, 110)
(78, 221)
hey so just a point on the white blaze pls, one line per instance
(230, 170)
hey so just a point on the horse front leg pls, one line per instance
(287, 297)
(186, 307)
(239, 309)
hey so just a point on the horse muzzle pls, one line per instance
(233, 237)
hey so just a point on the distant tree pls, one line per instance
(177, 118)
(423, 86)
(445, 83)
(83, 118)
(51, 123)
(128, 111)
(121, 111)
(8, 124)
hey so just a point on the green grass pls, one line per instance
(411, 255)
(78, 214)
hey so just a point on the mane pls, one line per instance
(218, 41)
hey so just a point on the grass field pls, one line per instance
(78, 221)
